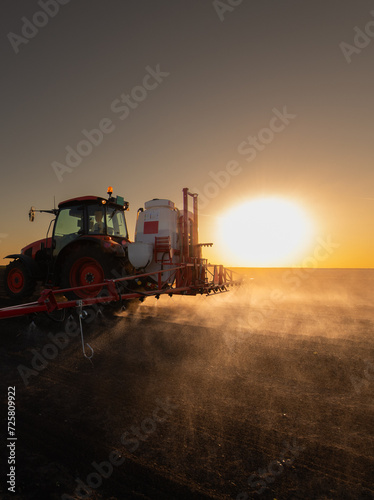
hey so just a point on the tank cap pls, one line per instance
(156, 202)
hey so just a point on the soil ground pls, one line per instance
(264, 392)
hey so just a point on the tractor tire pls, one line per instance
(19, 282)
(87, 266)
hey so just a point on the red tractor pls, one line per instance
(88, 244)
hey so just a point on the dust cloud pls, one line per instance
(288, 355)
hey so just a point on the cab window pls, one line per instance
(68, 226)
(116, 222)
(96, 219)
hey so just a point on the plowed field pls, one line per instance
(264, 392)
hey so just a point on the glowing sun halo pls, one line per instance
(264, 232)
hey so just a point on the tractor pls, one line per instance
(88, 244)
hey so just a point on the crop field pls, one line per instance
(264, 392)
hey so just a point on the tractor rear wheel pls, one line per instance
(87, 266)
(18, 280)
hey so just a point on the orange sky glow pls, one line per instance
(265, 101)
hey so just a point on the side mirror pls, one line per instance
(32, 214)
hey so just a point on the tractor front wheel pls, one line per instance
(85, 267)
(19, 282)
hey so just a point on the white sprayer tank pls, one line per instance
(158, 220)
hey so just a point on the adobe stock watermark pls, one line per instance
(131, 441)
(42, 357)
(30, 27)
(293, 278)
(221, 7)
(258, 482)
(249, 149)
(3, 236)
(59, 341)
(361, 40)
(121, 106)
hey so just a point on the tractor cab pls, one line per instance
(89, 216)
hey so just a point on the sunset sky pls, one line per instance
(266, 99)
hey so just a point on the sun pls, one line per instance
(264, 232)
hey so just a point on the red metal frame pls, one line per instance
(195, 235)
(191, 279)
